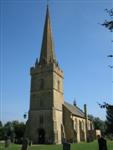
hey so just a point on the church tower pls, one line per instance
(45, 120)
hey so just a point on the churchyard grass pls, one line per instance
(80, 146)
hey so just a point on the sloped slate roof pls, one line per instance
(74, 110)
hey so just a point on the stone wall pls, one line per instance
(75, 127)
(46, 100)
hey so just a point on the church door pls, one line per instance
(41, 136)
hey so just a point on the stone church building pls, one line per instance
(50, 118)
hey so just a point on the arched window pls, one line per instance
(75, 124)
(88, 125)
(82, 125)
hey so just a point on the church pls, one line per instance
(52, 120)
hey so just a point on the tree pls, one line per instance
(1, 124)
(109, 108)
(15, 130)
(9, 131)
(109, 23)
(19, 128)
(1, 131)
(98, 123)
(109, 116)
(109, 119)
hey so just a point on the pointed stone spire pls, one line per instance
(47, 50)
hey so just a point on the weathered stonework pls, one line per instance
(46, 101)
(50, 119)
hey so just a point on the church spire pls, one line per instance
(47, 50)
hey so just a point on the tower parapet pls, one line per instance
(46, 94)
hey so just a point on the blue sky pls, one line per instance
(81, 46)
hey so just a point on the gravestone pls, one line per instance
(7, 142)
(25, 144)
(30, 142)
(66, 146)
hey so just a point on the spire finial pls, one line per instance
(48, 2)
(48, 5)
(74, 102)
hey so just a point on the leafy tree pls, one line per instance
(1, 131)
(9, 131)
(15, 130)
(109, 108)
(1, 124)
(109, 116)
(109, 119)
(98, 123)
(19, 129)
(109, 23)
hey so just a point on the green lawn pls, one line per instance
(81, 146)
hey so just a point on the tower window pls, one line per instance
(58, 84)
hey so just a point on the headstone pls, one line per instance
(30, 142)
(66, 146)
(25, 144)
(7, 142)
